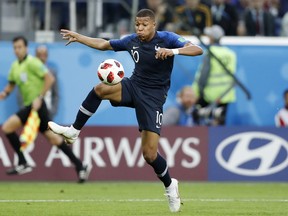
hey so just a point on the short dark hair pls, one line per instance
(146, 13)
(21, 38)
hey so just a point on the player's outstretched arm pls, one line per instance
(96, 43)
(189, 50)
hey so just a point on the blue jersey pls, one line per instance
(149, 71)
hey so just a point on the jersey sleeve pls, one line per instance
(176, 41)
(38, 67)
(120, 44)
(11, 77)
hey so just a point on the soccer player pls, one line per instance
(213, 84)
(146, 90)
(33, 80)
(52, 96)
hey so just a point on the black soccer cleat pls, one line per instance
(83, 173)
(19, 170)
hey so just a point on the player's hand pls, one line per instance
(3, 95)
(162, 53)
(37, 103)
(68, 35)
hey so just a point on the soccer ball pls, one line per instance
(110, 72)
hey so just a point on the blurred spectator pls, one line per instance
(207, 2)
(192, 17)
(181, 113)
(241, 6)
(213, 85)
(283, 7)
(163, 13)
(258, 21)
(273, 6)
(174, 3)
(115, 18)
(281, 117)
(284, 26)
(51, 97)
(225, 15)
(81, 10)
(59, 14)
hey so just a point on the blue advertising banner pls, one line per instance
(248, 154)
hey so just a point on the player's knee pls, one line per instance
(100, 90)
(3, 128)
(6, 128)
(54, 139)
(149, 156)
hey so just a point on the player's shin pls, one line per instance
(161, 169)
(15, 142)
(68, 151)
(87, 109)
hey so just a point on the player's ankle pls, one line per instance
(73, 130)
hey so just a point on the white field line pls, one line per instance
(143, 200)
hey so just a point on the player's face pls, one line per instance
(20, 49)
(188, 98)
(145, 28)
(42, 54)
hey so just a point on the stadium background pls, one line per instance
(191, 152)
(262, 67)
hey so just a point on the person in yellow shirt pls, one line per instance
(212, 84)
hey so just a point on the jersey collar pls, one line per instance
(20, 61)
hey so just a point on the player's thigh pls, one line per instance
(12, 124)
(127, 95)
(17, 120)
(108, 92)
(149, 108)
(149, 115)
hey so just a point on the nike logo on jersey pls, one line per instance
(157, 48)
(135, 47)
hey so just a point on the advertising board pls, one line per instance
(248, 153)
(115, 154)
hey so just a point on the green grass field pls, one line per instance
(139, 198)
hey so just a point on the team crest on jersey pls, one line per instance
(23, 77)
(44, 68)
(181, 39)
